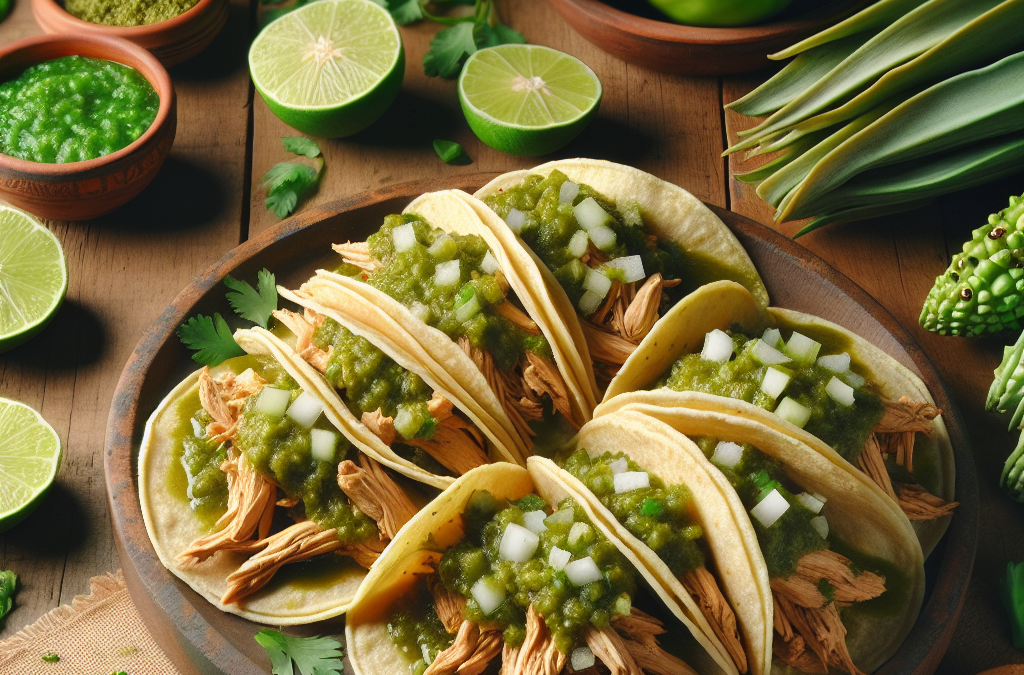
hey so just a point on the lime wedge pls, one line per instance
(33, 276)
(527, 99)
(330, 68)
(30, 453)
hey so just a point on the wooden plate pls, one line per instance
(637, 33)
(202, 639)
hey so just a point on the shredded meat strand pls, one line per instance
(610, 648)
(916, 502)
(439, 407)
(381, 426)
(374, 493)
(456, 445)
(823, 633)
(703, 588)
(919, 504)
(357, 253)
(600, 316)
(303, 326)
(606, 346)
(517, 316)
(907, 415)
(488, 646)
(537, 655)
(451, 606)
(542, 377)
(638, 631)
(871, 462)
(642, 313)
(448, 661)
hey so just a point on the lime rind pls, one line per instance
(30, 456)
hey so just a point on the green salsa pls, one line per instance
(127, 12)
(845, 427)
(415, 628)
(207, 485)
(660, 516)
(74, 108)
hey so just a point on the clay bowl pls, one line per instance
(637, 33)
(84, 190)
(172, 41)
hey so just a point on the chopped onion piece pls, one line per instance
(818, 496)
(568, 192)
(468, 309)
(558, 558)
(563, 517)
(727, 454)
(590, 215)
(404, 237)
(323, 444)
(197, 428)
(631, 480)
(820, 524)
(772, 337)
(802, 348)
(774, 382)
(407, 423)
(811, 502)
(420, 311)
(489, 264)
(853, 379)
(603, 237)
(839, 391)
(488, 595)
(581, 658)
(837, 363)
(717, 347)
(597, 283)
(623, 605)
(534, 521)
(447, 273)
(793, 412)
(583, 571)
(518, 544)
(515, 220)
(273, 401)
(770, 509)
(767, 355)
(425, 651)
(619, 465)
(305, 409)
(578, 243)
(632, 267)
(589, 302)
(577, 531)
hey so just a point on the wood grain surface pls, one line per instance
(126, 268)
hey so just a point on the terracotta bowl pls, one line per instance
(172, 41)
(84, 190)
(637, 33)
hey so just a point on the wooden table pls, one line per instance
(125, 268)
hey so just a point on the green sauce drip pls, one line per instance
(413, 625)
(207, 484)
(127, 12)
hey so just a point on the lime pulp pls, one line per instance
(30, 454)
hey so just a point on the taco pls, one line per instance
(255, 495)
(505, 568)
(845, 573)
(436, 273)
(616, 246)
(719, 350)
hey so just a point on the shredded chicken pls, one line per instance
(517, 316)
(824, 637)
(358, 254)
(638, 631)
(907, 415)
(640, 313)
(609, 647)
(488, 646)
(374, 493)
(456, 444)
(606, 346)
(448, 661)
(381, 426)
(703, 588)
(303, 326)
(919, 504)
(871, 462)
(451, 606)
(439, 407)
(537, 655)
(542, 377)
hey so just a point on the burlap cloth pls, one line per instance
(97, 634)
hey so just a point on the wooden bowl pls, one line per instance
(172, 41)
(637, 33)
(199, 638)
(84, 190)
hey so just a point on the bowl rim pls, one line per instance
(72, 22)
(122, 50)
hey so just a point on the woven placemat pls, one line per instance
(97, 634)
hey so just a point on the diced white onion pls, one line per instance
(489, 264)
(631, 480)
(727, 454)
(568, 192)
(619, 465)
(589, 302)
(597, 283)
(558, 558)
(407, 423)
(583, 571)
(425, 651)
(802, 348)
(577, 531)
(273, 401)
(441, 246)
(770, 509)
(853, 379)
(623, 605)
(839, 391)
(793, 412)
(581, 658)
(811, 502)
(774, 382)
(467, 310)
(534, 521)
(518, 544)
(420, 311)
(515, 220)
(589, 214)
(323, 444)
(578, 243)
(447, 273)
(820, 524)
(837, 363)
(563, 517)
(818, 496)
(772, 337)
(487, 595)
(603, 237)
(717, 347)
(632, 267)
(404, 237)
(305, 409)
(766, 354)
(197, 428)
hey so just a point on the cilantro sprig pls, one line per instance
(288, 183)
(8, 581)
(312, 655)
(250, 303)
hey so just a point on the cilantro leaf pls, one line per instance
(449, 50)
(451, 152)
(211, 338)
(313, 655)
(405, 12)
(8, 580)
(286, 183)
(248, 303)
(300, 145)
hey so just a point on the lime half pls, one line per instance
(30, 453)
(527, 99)
(33, 276)
(330, 68)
